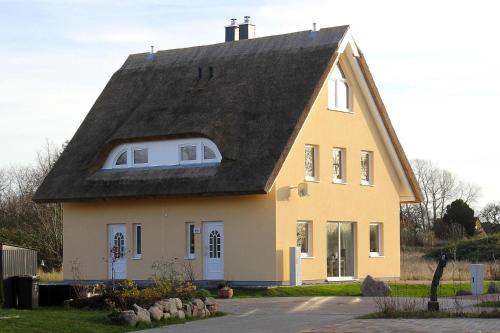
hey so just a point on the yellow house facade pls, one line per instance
(324, 171)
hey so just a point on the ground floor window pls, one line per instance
(190, 240)
(375, 239)
(137, 240)
(304, 238)
(340, 238)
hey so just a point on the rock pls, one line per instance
(209, 301)
(181, 314)
(163, 305)
(195, 312)
(199, 303)
(188, 310)
(156, 313)
(493, 288)
(127, 318)
(172, 307)
(142, 314)
(166, 315)
(68, 302)
(373, 288)
(212, 309)
(178, 303)
(463, 292)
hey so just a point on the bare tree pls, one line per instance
(491, 213)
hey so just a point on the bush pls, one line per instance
(477, 249)
(203, 294)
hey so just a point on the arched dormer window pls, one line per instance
(166, 153)
(339, 94)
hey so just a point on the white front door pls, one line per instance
(117, 251)
(213, 245)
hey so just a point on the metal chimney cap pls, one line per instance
(233, 21)
(314, 26)
(247, 19)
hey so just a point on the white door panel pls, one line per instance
(117, 251)
(213, 248)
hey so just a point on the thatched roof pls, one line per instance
(250, 107)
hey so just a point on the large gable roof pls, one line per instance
(250, 108)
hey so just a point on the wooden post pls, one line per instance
(433, 304)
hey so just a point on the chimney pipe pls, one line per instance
(247, 29)
(232, 31)
(314, 26)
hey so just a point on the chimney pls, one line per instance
(232, 31)
(247, 29)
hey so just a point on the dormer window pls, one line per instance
(141, 156)
(208, 154)
(122, 159)
(188, 153)
(164, 153)
(339, 95)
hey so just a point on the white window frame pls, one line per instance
(190, 255)
(314, 178)
(198, 153)
(132, 155)
(343, 155)
(333, 94)
(137, 255)
(203, 154)
(309, 253)
(379, 240)
(117, 156)
(370, 168)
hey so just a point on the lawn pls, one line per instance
(352, 289)
(61, 320)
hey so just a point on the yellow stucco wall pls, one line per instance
(259, 229)
(249, 234)
(350, 202)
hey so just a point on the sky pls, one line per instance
(434, 62)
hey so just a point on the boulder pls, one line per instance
(212, 309)
(127, 318)
(188, 310)
(156, 313)
(181, 314)
(163, 305)
(209, 301)
(196, 312)
(493, 288)
(199, 303)
(142, 314)
(373, 288)
(166, 315)
(172, 307)
(178, 303)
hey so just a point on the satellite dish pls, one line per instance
(302, 189)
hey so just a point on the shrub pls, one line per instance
(481, 249)
(203, 294)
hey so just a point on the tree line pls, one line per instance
(25, 223)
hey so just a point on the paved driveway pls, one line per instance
(277, 315)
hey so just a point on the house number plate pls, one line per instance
(196, 230)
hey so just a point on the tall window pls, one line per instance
(141, 156)
(304, 238)
(311, 162)
(375, 239)
(338, 165)
(339, 96)
(137, 241)
(190, 240)
(366, 168)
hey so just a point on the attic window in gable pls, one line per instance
(141, 156)
(188, 153)
(339, 94)
(208, 154)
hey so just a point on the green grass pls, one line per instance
(61, 320)
(489, 304)
(352, 289)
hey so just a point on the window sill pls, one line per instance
(306, 257)
(311, 180)
(137, 257)
(340, 110)
(369, 185)
(376, 255)
(189, 258)
(339, 183)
